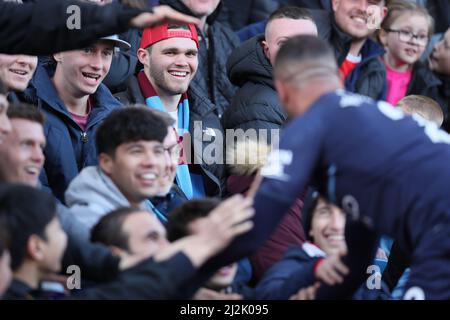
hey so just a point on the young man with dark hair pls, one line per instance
(37, 239)
(134, 165)
(394, 145)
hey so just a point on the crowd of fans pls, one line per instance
(187, 149)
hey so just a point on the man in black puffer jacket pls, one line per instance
(217, 41)
(256, 105)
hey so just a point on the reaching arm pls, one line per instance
(46, 26)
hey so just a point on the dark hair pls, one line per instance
(179, 219)
(309, 205)
(301, 48)
(27, 211)
(291, 12)
(25, 111)
(130, 124)
(108, 229)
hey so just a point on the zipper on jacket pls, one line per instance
(84, 137)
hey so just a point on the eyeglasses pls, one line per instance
(174, 151)
(407, 36)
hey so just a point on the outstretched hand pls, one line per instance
(161, 14)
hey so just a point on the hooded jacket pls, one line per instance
(92, 194)
(201, 111)
(69, 148)
(256, 104)
(215, 47)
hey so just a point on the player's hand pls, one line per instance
(160, 15)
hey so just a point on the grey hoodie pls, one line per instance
(92, 194)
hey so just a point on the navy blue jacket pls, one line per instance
(295, 271)
(366, 157)
(69, 149)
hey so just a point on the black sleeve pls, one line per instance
(41, 27)
(95, 260)
(148, 280)
(398, 262)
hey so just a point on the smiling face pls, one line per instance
(21, 154)
(352, 16)
(405, 52)
(16, 71)
(440, 58)
(327, 227)
(136, 169)
(170, 65)
(280, 30)
(80, 72)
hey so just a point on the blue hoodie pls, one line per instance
(69, 148)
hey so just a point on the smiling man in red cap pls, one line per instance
(169, 54)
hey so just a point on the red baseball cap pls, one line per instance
(167, 31)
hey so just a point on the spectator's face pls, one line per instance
(358, 18)
(16, 71)
(52, 249)
(171, 65)
(5, 272)
(405, 52)
(136, 169)
(201, 8)
(80, 72)
(146, 235)
(279, 31)
(5, 124)
(327, 227)
(440, 58)
(173, 157)
(21, 154)
(223, 277)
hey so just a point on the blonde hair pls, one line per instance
(426, 107)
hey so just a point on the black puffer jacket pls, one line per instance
(238, 14)
(424, 82)
(310, 4)
(215, 47)
(200, 110)
(256, 104)
(444, 91)
(369, 77)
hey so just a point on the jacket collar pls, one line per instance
(45, 90)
